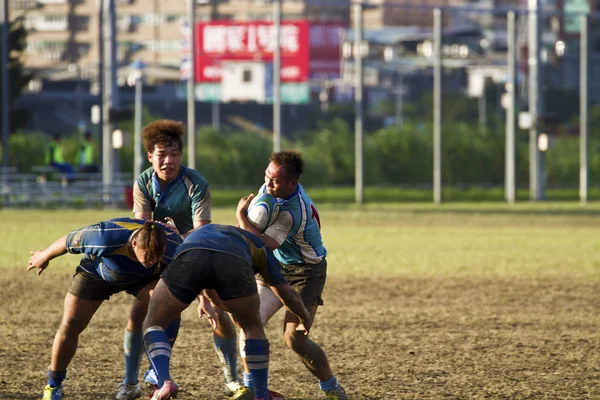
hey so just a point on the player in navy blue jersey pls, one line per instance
(295, 238)
(120, 254)
(220, 261)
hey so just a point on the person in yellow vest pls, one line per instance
(55, 158)
(86, 157)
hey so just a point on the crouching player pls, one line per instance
(120, 254)
(219, 261)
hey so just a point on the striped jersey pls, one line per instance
(185, 199)
(238, 243)
(106, 254)
(302, 243)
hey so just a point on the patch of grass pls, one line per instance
(532, 240)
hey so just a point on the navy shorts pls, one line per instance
(198, 269)
(88, 286)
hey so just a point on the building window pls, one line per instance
(247, 76)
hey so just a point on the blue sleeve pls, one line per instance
(91, 240)
(274, 276)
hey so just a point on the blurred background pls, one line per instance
(429, 95)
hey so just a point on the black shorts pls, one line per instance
(88, 286)
(198, 269)
(307, 279)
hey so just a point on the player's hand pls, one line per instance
(205, 308)
(169, 224)
(243, 204)
(37, 260)
(305, 325)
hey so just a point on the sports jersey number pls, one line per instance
(315, 214)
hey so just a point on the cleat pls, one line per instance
(150, 377)
(243, 393)
(168, 390)
(128, 392)
(273, 395)
(53, 393)
(237, 391)
(336, 394)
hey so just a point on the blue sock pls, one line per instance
(248, 382)
(227, 351)
(132, 346)
(56, 378)
(173, 329)
(257, 357)
(158, 350)
(329, 385)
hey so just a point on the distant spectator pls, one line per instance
(54, 157)
(86, 156)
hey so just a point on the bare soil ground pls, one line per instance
(400, 338)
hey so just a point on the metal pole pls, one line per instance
(137, 142)
(583, 122)
(437, 106)
(358, 103)
(511, 89)
(277, 76)
(5, 114)
(535, 100)
(110, 99)
(191, 98)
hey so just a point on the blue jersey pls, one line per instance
(239, 243)
(185, 199)
(105, 247)
(297, 229)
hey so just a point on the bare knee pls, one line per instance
(71, 327)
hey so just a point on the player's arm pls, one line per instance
(41, 258)
(242, 219)
(201, 203)
(293, 302)
(275, 235)
(142, 209)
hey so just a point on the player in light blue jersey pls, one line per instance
(169, 190)
(295, 238)
(221, 261)
(120, 254)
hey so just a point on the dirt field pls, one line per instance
(392, 339)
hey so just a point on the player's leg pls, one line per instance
(163, 308)
(310, 282)
(86, 294)
(269, 305)
(132, 338)
(225, 345)
(77, 314)
(245, 310)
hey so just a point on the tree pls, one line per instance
(18, 78)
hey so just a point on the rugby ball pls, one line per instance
(262, 211)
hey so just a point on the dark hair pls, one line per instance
(291, 160)
(164, 132)
(153, 239)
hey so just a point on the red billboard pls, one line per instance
(307, 50)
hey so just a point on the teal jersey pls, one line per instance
(303, 243)
(185, 199)
(106, 254)
(238, 243)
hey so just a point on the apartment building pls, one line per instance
(65, 33)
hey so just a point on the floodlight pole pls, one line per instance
(191, 103)
(437, 106)
(110, 98)
(4, 87)
(535, 102)
(511, 91)
(277, 76)
(583, 118)
(137, 142)
(358, 103)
